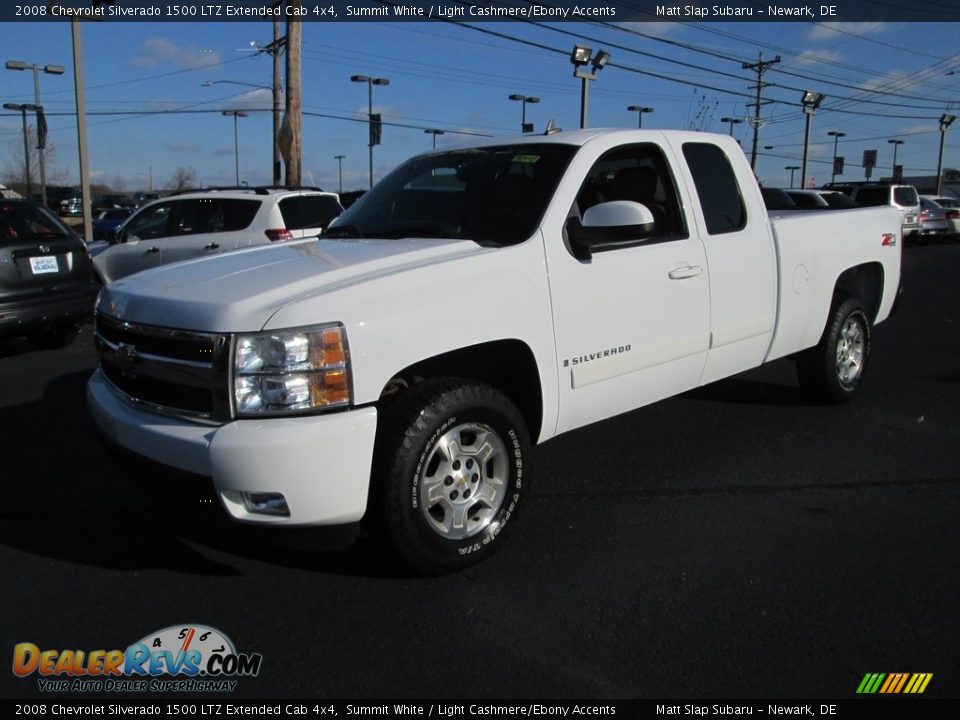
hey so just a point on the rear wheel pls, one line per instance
(450, 473)
(833, 370)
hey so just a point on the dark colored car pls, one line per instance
(47, 285)
(106, 224)
(142, 198)
(109, 201)
(777, 199)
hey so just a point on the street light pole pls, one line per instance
(945, 120)
(370, 81)
(236, 140)
(22, 109)
(435, 132)
(524, 99)
(893, 169)
(836, 137)
(41, 121)
(581, 57)
(275, 92)
(810, 102)
(639, 110)
(339, 159)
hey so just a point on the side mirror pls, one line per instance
(608, 225)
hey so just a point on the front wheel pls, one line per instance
(833, 370)
(450, 473)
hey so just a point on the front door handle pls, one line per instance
(688, 271)
(152, 250)
(211, 246)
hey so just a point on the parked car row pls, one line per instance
(922, 217)
(72, 204)
(49, 280)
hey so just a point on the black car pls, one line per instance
(110, 201)
(47, 284)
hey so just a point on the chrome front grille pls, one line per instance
(177, 372)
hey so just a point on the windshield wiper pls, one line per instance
(342, 231)
(424, 231)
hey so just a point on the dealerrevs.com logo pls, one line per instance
(180, 658)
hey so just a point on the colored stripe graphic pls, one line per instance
(894, 683)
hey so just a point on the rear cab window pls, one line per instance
(873, 196)
(723, 208)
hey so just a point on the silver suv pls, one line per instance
(194, 224)
(902, 197)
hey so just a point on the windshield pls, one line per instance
(494, 195)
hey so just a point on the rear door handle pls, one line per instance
(211, 246)
(682, 273)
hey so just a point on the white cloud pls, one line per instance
(162, 51)
(253, 100)
(836, 30)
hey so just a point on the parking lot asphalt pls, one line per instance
(734, 542)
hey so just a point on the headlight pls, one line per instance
(292, 370)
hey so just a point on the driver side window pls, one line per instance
(639, 173)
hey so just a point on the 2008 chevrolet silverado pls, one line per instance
(474, 301)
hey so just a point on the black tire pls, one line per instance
(834, 369)
(449, 477)
(52, 338)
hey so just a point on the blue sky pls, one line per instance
(454, 78)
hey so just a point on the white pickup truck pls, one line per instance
(476, 300)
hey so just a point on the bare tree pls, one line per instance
(701, 111)
(183, 178)
(14, 171)
(119, 183)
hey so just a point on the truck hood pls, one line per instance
(239, 291)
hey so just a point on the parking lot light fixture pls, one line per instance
(732, 121)
(581, 57)
(946, 120)
(370, 81)
(38, 108)
(836, 135)
(524, 128)
(639, 110)
(236, 142)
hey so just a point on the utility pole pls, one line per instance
(81, 106)
(760, 68)
(292, 118)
